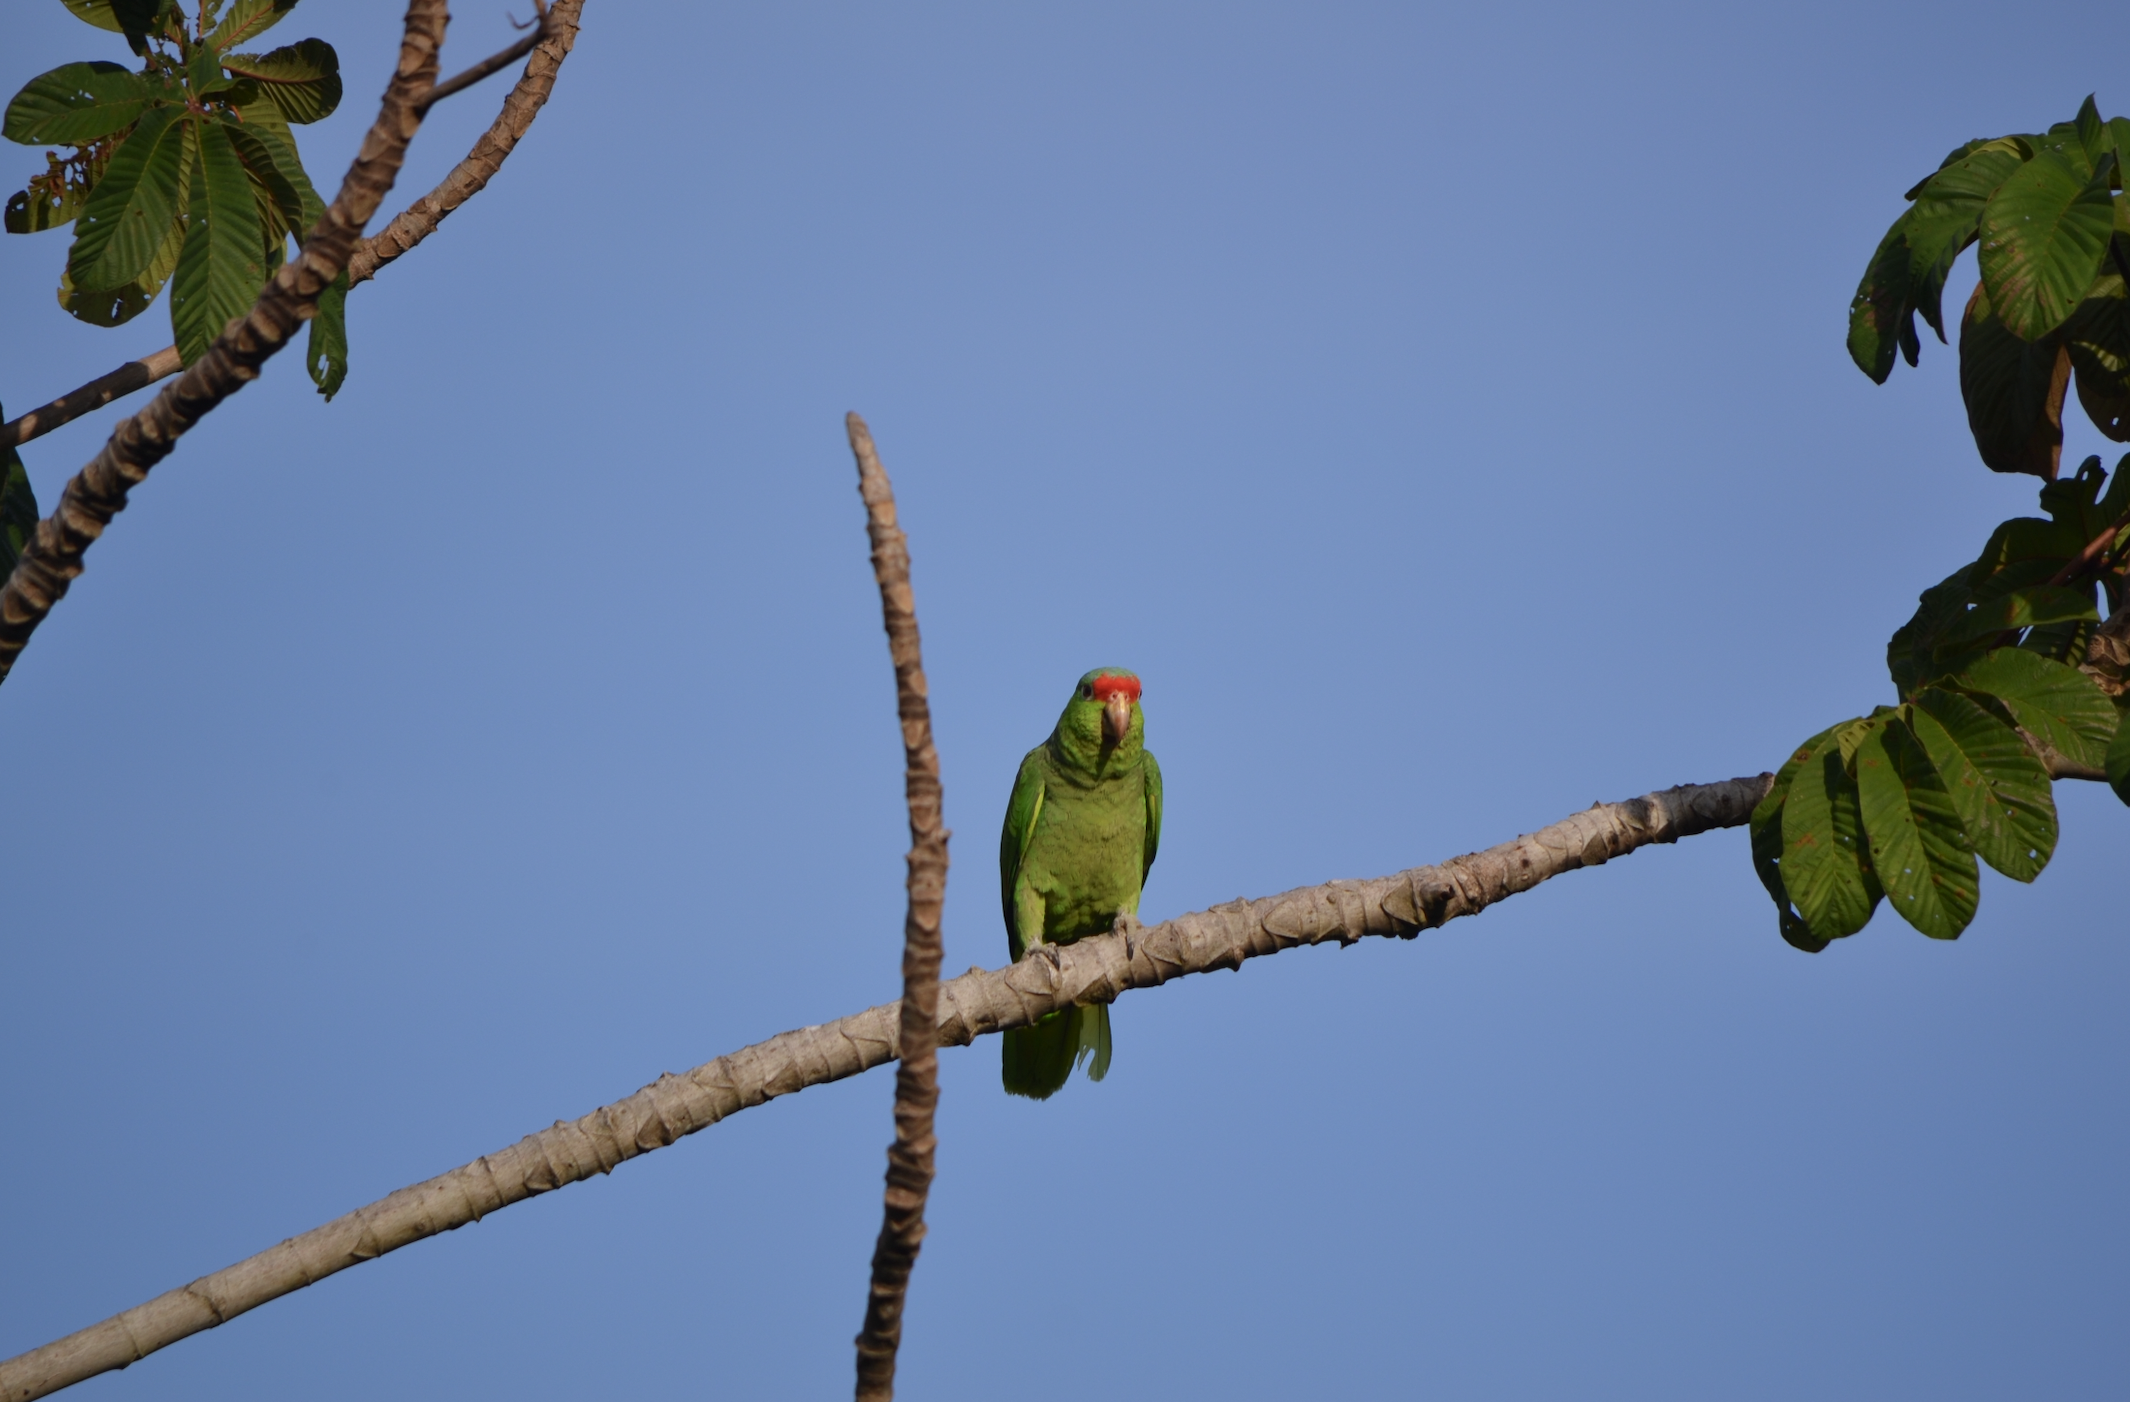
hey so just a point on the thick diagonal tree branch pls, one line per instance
(52, 558)
(410, 227)
(1093, 970)
(909, 1170)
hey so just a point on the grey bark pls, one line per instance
(1096, 969)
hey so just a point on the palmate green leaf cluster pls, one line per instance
(183, 173)
(1898, 805)
(2054, 248)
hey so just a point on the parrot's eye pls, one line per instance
(1087, 691)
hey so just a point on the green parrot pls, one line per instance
(1080, 835)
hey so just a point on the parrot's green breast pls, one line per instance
(1086, 856)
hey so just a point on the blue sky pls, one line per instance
(1443, 408)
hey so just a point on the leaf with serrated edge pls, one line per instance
(1918, 848)
(301, 79)
(246, 20)
(122, 224)
(266, 125)
(2020, 608)
(1766, 830)
(76, 103)
(1825, 867)
(2044, 232)
(1998, 788)
(2062, 642)
(222, 265)
(281, 204)
(120, 17)
(327, 353)
(119, 305)
(2059, 705)
(33, 214)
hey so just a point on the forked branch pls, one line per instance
(909, 1170)
(1093, 970)
(494, 63)
(467, 179)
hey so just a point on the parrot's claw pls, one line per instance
(1048, 953)
(1127, 925)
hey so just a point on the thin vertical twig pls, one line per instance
(909, 1172)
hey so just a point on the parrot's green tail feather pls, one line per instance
(1038, 1059)
(1094, 1038)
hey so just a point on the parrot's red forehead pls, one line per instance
(1116, 684)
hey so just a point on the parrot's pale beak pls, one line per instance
(1117, 716)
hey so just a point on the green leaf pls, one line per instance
(203, 72)
(1998, 788)
(222, 265)
(33, 213)
(2118, 765)
(1766, 829)
(2098, 337)
(2118, 140)
(1883, 305)
(328, 351)
(113, 307)
(132, 18)
(2019, 609)
(76, 103)
(301, 79)
(2044, 233)
(2116, 501)
(281, 204)
(2071, 501)
(2058, 704)
(2092, 132)
(2062, 140)
(2062, 642)
(119, 305)
(1946, 218)
(2024, 543)
(247, 20)
(123, 223)
(96, 12)
(1826, 868)
(1909, 651)
(18, 508)
(1918, 849)
(2014, 391)
(263, 122)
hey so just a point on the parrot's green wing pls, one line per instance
(1153, 816)
(1021, 811)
